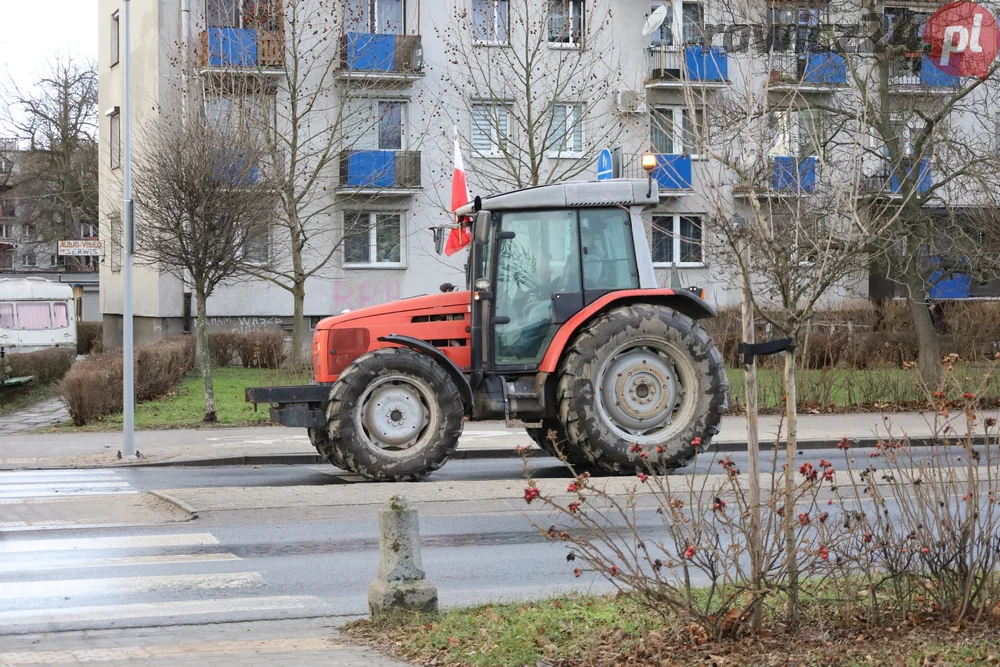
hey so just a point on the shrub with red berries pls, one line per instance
(530, 494)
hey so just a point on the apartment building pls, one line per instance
(405, 74)
(27, 251)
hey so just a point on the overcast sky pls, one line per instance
(37, 31)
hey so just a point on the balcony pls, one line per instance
(672, 173)
(784, 175)
(889, 181)
(670, 67)
(821, 72)
(242, 49)
(387, 58)
(232, 167)
(379, 172)
(920, 75)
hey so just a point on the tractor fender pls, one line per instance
(683, 301)
(423, 347)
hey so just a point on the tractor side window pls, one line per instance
(541, 260)
(608, 253)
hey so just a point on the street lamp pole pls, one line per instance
(128, 344)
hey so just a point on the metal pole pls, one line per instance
(128, 355)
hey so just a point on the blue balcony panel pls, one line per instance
(370, 53)
(371, 169)
(933, 77)
(826, 67)
(703, 64)
(672, 172)
(231, 167)
(232, 47)
(923, 177)
(792, 174)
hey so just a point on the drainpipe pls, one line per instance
(185, 57)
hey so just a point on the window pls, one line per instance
(386, 17)
(8, 208)
(692, 24)
(490, 124)
(608, 251)
(28, 259)
(566, 133)
(28, 230)
(53, 261)
(6, 316)
(903, 131)
(797, 133)
(677, 236)
(390, 126)
(262, 14)
(88, 262)
(672, 130)
(115, 38)
(114, 248)
(60, 315)
(6, 230)
(33, 316)
(566, 22)
(259, 248)
(89, 230)
(372, 238)
(250, 113)
(115, 144)
(491, 20)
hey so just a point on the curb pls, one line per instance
(176, 502)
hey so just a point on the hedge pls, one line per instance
(46, 365)
(259, 349)
(89, 337)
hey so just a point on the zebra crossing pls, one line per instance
(130, 580)
(19, 486)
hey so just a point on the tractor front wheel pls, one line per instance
(394, 415)
(642, 386)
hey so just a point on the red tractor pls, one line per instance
(562, 330)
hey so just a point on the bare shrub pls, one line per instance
(45, 365)
(223, 347)
(89, 335)
(261, 349)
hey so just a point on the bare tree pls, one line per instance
(56, 178)
(537, 80)
(202, 200)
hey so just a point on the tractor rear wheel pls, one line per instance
(320, 439)
(641, 385)
(562, 448)
(394, 415)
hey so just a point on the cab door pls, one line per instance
(538, 283)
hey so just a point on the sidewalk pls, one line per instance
(276, 444)
(33, 417)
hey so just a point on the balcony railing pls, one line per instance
(242, 48)
(808, 70)
(672, 173)
(671, 66)
(890, 181)
(921, 73)
(379, 170)
(401, 55)
(783, 175)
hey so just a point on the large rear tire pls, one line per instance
(562, 448)
(320, 439)
(641, 379)
(394, 415)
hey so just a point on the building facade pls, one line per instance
(26, 252)
(403, 76)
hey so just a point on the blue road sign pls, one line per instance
(605, 165)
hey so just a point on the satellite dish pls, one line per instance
(654, 20)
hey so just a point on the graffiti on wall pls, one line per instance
(354, 294)
(243, 324)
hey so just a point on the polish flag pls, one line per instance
(459, 237)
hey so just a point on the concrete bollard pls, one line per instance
(400, 583)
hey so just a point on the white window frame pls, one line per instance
(790, 126)
(496, 149)
(675, 16)
(115, 140)
(54, 261)
(495, 5)
(909, 132)
(116, 37)
(6, 230)
(677, 115)
(571, 124)
(29, 260)
(373, 241)
(675, 231)
(263, 238)
(571, 44)
(28, 230)
(86, 227)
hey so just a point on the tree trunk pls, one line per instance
(204, 358)
(753, 455)
(299, 329)
(791, 442)
(929, 358)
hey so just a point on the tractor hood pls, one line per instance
(426, 304)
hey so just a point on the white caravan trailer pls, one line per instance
(36, 314)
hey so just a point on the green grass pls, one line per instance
(185, 406)
(13, 400)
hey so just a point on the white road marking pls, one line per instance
(125, 542)
(61, 483)
(158, 609)
(20, 590)
(125, 561)
(36, 475)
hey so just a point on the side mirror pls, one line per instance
(438, 239)
(447, 287)
(481, 227)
